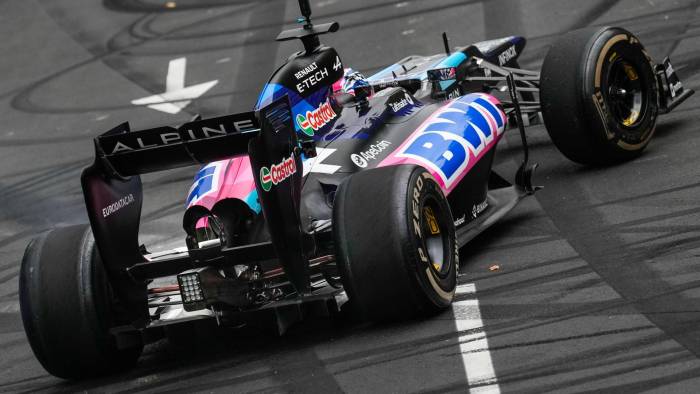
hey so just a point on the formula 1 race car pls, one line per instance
(336, 188)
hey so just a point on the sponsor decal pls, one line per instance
(453, 94)
(117, 205)
(415, 209)
(312, 80)
(401, 104)
(358, 160)
(314, 120)
(277, 173)
(306, 70)
(461, 220)
(477, 209)
(676, 88)
(316, 164)
(205, 182)
(433, 226)
(669, 69)
(385, 83)
(442, 74)
(455, 132)
(507, 55)
(362, 159)
(599, 103)
(337, 65)
(195, 131)
(674, 84)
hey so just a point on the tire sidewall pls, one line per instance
(66, 305)
(438, 288)
(594, 74)
(97, 298)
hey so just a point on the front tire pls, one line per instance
(395, 243)
(599, 96)
(66, 306)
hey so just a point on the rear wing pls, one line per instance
(113, 191)
(125, 152)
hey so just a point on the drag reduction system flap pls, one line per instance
(113, 191)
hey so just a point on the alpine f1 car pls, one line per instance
(335, 188)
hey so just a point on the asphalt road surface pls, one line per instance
(599, 274)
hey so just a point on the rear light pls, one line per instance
(205, 286)
(191, 290)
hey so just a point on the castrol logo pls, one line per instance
(314, 120)
(277, 173)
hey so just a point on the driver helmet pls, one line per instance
(350, 81)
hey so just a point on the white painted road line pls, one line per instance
(9, 307)
(466, 288)
(478, 364)
(176, 95)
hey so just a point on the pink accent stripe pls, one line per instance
(394, 159)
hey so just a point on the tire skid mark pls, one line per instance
(18, 236)
(642, 196)
(489, 332)
(284, 368)
(520, 244)
(688, 22)
(549, 341)
(22, 381)
(215, 364)
(13, 296)
(7, 277)
(536, 57)
(587, 359)
(671, 247)
(537, 281)
(637, 222)
(356, 356)
(198, 47)
(542, 368)
(364, 9)
(528, 266)
(23, 102)
(47, 178)
(250, 59)
(42, 169)
(139, 6)
(649, 384)
(652, 361)
(641, 243)
(612, 259)
(500, 329)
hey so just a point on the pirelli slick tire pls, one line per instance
(66, 306)
(599, 95)
(395, 243)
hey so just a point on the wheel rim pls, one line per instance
(626, 94)
(435, 237)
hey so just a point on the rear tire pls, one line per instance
(66, 305)
(599, 95)
(395, 243)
